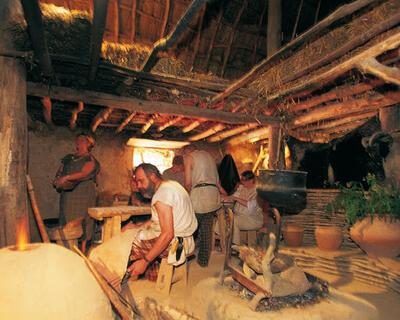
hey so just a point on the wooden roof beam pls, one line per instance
(102, 116)
(248, 136)
(232, 36)
(99, 24)
(148, 124)
(74, 115)
(33, 17)
(47, 105)
(165, 18)
(232, 132)
(372, 66)
(207, 133)
(169, 123)
(133, 104)
(198, 36)
(124, 123)
(167, 42)
(345, 108)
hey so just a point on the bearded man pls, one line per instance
(172, 218)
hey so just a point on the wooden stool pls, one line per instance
(169, 274)
(67, 235)
(249, 237)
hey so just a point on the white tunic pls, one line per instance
(207, 198)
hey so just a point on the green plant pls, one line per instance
(379, 200)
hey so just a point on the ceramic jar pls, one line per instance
(328, 238)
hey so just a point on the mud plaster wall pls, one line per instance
(245, 155)
(48, 147)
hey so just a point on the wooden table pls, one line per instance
(113, 216)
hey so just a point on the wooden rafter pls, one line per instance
(297, 18)
(345, 127)
(391, 42)
(165, 18)
(343, 108)
(207, 133)
(232, 37)
(215, 32)
(172, 38)
(388, 74)
(99, 24)
(126, 121)
(248, 136)
(338, 93)
(132, 36)
(340, 13)
(259, 26)
(169, 123)
(232, 132)
(133, 104)
(148, 124)
(102, 116)
(74, 115)
(116, 21)
(317, 12)
(47, 105)
(33, 16)
(198, 36)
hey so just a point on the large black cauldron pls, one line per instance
(283, 189)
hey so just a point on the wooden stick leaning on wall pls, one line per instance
(123, 308)
(36, 212)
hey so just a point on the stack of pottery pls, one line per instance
(329, 238)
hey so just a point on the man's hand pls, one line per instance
(138, 267)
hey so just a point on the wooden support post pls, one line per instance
(274, 27)
(388, 74)
(276, 160)
(74, 115)
(13, 131)
(390, 122)
(100, 117)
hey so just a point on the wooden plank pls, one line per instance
(388, 74)
(99, 24)
(33, 16)
(99, 213)
(313, 32)
(133, 104)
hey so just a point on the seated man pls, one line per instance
(248, 215)
(172, 216)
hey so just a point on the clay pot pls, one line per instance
(329, 238)
(378, 237)
(293, 235)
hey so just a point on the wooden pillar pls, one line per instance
(274, 27)
(276, 158)
(390, 122)
(13, 132)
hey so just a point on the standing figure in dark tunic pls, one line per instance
(76, 181)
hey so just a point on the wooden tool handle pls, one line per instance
(36, 212)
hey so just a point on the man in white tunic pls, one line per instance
(202, 181)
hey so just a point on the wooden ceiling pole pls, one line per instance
(148, 124)
(172, 38)
(46, 103)
(215, 32)
(207, 133)
(169, 123)
(138, 105)
(74, 115)
(132, 36)
(33, 17)
(372, 66)
(99, 24)
(102, 116)
(124, 123)
(192, 126)
(248, 136)
(232, 37)
(317, 12)
(337, 93)
(345, 127)
(391, 42)
(232, 132)
(343, 108)
(198, 36)
(274, 26)
(297, 19)
(165, 18)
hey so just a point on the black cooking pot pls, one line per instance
(283, 189)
